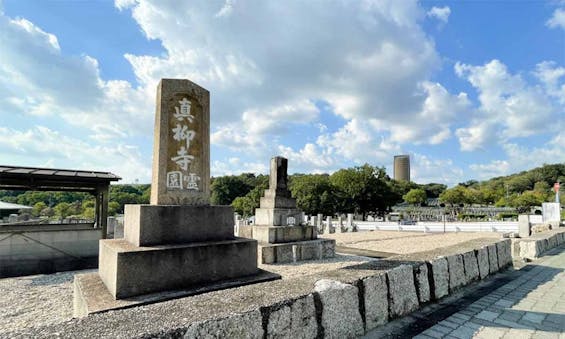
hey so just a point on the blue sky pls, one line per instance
(470, 89)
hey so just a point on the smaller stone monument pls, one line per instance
(279, 227)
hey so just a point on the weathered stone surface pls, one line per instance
(147, 225)
(296, 251)
(178, 182)
(276, 216)
(524, 226)
(471, 266)
(328, 248)
(340, 309)
(247, 325)
(504, 254)
(129, 270)
(440, 277)
(456, 272)
(492, 258)
(402, 291)
(482, 260)
(297, 320)
(376, 300)
(422, 282)
(276, 234)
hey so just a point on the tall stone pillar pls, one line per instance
(179, 240)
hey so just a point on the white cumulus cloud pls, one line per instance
(440, 13)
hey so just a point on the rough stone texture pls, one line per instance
(524, 226)
(277, 234)
(422, 282)
(504, 254)
(169, 93)
(297, 320)
(128, 270)
(440, 277)
(456, 272)
(492, 258)
(402, 291)
(147, 225)
(482, 260)
(247, 325)
(376, 300)
(296, 251)
(471, 266)
(276, 216)
(328, 248)
(340, 314)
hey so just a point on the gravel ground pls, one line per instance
(36, 300)
(405, 242)
(39, 300)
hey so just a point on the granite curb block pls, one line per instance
(339, 304)
(534, 246)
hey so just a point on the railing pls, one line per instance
(496, 226)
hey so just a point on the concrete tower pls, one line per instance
(402, 167)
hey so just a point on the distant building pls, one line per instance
(402, 167)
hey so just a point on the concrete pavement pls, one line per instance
(532, 305)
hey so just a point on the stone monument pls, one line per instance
(279, 224)
(179, 241)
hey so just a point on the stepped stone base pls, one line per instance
(278, 234)
(92, 296)
(296, 251)
(128, 270)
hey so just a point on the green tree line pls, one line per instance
(363, 189)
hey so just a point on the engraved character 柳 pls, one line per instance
(183, 133)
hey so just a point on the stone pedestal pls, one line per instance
(179, 242)
(279, 226)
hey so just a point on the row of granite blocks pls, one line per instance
(337, 309)
(533, 247)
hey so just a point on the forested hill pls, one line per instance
(520, 190)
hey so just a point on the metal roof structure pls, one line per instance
(49, 179)
(52, 179)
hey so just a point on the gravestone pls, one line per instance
(279, 224)
(178, 241)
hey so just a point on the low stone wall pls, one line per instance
(26, 250)
(346, 310)
(534, 246)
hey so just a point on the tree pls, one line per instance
(363, 189)
(246, 205)
(454, 196)
(315, 194)
(226, 189)
(433, 190)
(63, 210)
(37, 208)
(524, 201)
(415, 196)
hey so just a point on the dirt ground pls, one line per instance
(396, 242)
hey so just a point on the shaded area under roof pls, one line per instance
(52, 179)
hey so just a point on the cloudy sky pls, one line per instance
(470, 89)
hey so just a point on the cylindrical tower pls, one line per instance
(402, 167)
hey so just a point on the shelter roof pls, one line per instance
(53, 179)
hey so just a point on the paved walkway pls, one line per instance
(530, 306)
